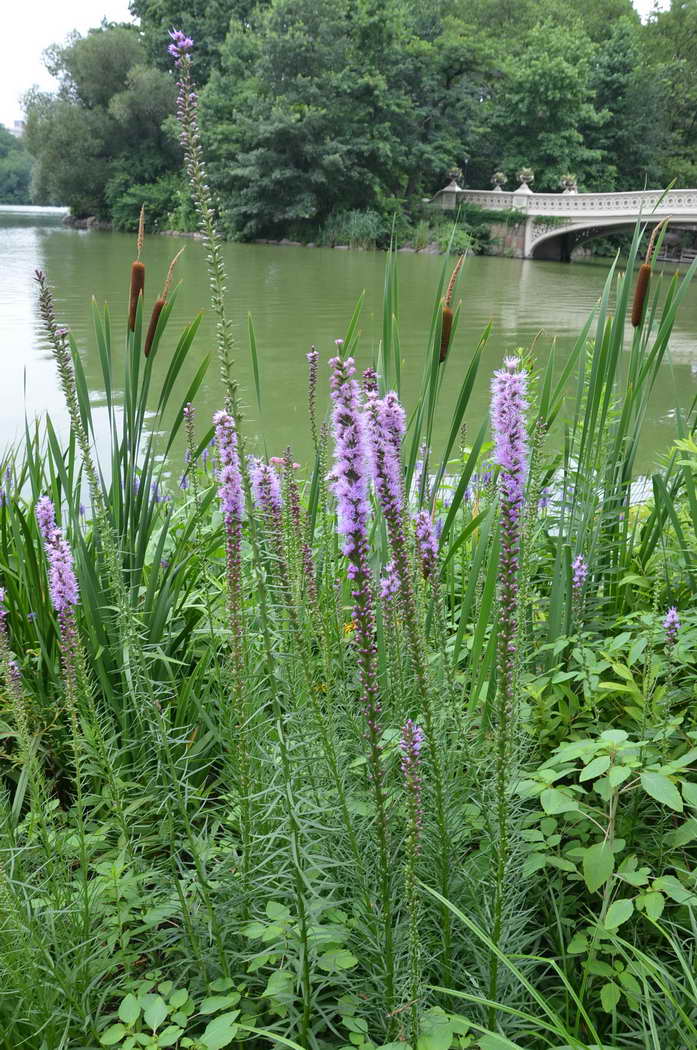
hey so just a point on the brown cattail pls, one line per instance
(446, 325)
(642, 283)
(159, 305)
(137, 273)
(642, 286)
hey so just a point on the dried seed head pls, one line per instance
(445, 330)
(141, 232)
(170, 275)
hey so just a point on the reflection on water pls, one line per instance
(299, 297)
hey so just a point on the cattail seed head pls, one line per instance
(642, 287)
(152, 327)
(445, 330)
(137, 288)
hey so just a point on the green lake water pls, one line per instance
(298, 297)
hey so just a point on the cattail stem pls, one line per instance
(447, 317)
(642, 284)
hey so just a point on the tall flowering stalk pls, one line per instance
(410, 746)
(295, 517)
(312, 360)
(508, 407)
(180, 49)
(386, 426)
(671, 626)
(350, 483)
(63, 589)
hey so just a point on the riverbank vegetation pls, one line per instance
(318, 109)
(392, 750)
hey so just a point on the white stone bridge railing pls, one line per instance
(573, 213)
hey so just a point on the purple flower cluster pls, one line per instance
(410, 743)
(508, 407)
(426, 542)
(386, 427)
(389, 583)
(349, 477)
(62, 579)
(671, 625)
(579, 574)
(266, 487)
(229, 476)
(370, 381)
(181, 44)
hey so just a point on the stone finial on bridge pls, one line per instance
(568, 183)
(498, 181)
(525, 176)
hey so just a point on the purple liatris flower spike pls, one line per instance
(46, 517)
(349, 478)
(386, 427)
(426, 542)
(410, 745)
(579, 574)
(266, 487)
(389, 583)
(181, 44)
(230, 491)
(671, 625)
(508, 407)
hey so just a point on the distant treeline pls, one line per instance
(314, 109)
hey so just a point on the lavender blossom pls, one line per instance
(386, 426)
(349, 477)
(579, 574)
(62, 580)
(389, 583)
(229, 476)
(370, 381)
(426, 542)
(671, 625)
(180, 46)
(266, 487)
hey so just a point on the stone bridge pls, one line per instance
(553, 224)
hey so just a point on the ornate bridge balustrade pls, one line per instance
(552, 224)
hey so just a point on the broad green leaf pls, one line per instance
(154, 1011)
(277, 912)
(435, 1030)
(212, 1003)
(555, 801)
(169, 1035)
(129, 1009)
(179, 998)
(675, 889)
(609, 996)
(220, 1031)
(662, 789)
(618, 912)
(337, 959)
(687, 832)
(689, 793)
(598, 864)
(654, 903)
(114, 1034)
(618, 775)
(596, 768)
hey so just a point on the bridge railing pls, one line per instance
(575, 205)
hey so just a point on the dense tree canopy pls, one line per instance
(313, 107)
(15, 169)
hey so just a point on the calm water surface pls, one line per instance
(297, 297)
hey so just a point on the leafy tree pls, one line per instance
(106, 127)
(544, 102)
(671, 57)
(15, 169)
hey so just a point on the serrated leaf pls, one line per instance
(609, 996)
(618, 913)
(435, 1030)
(598, 865)
(618, 775)
(662, 789)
